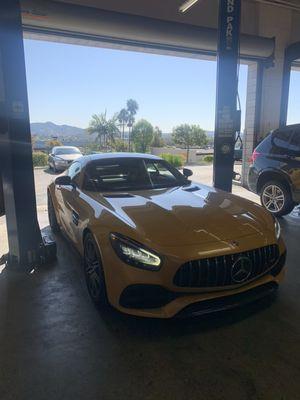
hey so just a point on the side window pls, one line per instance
(282, 139)
(281, 142)
(295, 142)
(158, 173)
(74, 171)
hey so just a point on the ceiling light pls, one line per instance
(187, 5)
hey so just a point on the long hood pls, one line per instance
(188, 215)
(69, 157)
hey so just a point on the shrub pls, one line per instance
(209, 158)
(120, 145)
(39, 158)
(173, 159)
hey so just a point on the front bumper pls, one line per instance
(229, 302)
(153, 294)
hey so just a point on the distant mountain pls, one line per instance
(68, 135)
(45, 130)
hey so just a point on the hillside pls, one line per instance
(48, 129)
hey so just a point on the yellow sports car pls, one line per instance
(156, 244)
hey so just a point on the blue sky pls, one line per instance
(67, 84)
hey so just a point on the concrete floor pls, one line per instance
(56, 345)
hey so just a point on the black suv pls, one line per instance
(275, 170)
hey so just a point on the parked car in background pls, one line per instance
(62, 156)
(275, 170)
(155, 244)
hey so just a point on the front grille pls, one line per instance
(217, 271)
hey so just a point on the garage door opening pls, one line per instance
(68, 84)
(294, 98)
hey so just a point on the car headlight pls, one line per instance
(277, 228)
(134, 253)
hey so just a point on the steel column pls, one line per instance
(24, 236)
(226, 121)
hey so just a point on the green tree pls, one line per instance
(106, 129)
(157, 140)
(142, 135)
(132, 108)
(119, 145)
(189, 135)
(91, 148)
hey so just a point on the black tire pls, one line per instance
(93, 271)
(54, 168)
(52, 216)
(276, 197)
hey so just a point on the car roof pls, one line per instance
(65, 147)
(106, 156)
(295, 126)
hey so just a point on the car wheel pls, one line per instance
(93, 272)
(276, 198)
(52, 216)
(54, 168)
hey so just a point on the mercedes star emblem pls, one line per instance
(241, 269)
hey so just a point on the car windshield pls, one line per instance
(125, 174)
(66, 150)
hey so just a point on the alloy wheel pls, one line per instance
(273, 198)
(92, 270)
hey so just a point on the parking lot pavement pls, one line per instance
(204, 174)
(43, 177)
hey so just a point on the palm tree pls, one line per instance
(106, 129)
(132, 107)
(123, 119)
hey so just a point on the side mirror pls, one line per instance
(64, 180)
(187, 172)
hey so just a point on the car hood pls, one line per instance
(69, 157)
(187, 215)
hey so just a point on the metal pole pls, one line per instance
(26, 247)
(226, 121)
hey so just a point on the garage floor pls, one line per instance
(55, 345)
